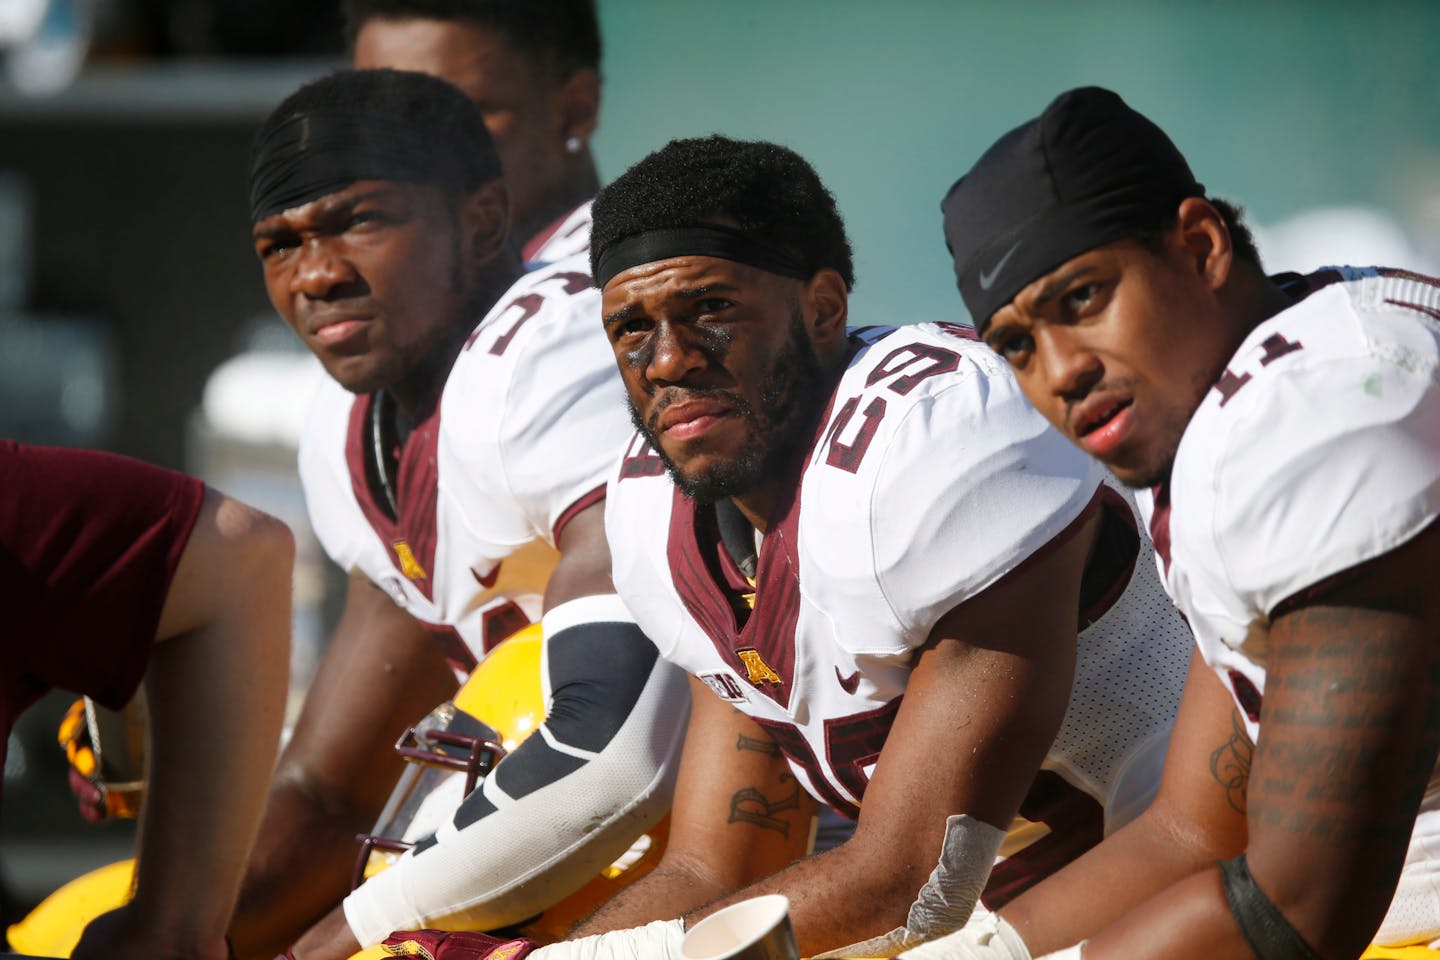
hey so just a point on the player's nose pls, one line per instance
(674, 356)
(1069, 366)
(321, 271)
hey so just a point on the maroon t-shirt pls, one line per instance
(88, 544)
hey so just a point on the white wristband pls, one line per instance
(659, 940)
(988, 938)
(947, 899)
(1069, 953)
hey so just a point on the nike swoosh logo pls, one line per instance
(987, 280)
(848, 684)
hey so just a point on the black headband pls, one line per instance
(700, 241)
(1088, 171)
(313, 154)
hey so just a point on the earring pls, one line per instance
(574, 145)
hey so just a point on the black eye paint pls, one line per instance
(713, 341)
(640, 356)
(716, 341)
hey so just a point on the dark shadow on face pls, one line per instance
(791, 397)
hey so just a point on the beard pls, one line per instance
(791, 396)
(1155, 469)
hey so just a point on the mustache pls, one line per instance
(338, 305)
(1124, 385)
(675, 395)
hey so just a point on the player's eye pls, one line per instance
(1082, 296)
(633, 327)
(712, 305)
(1014, 347)
(275, 247)
(361, 219)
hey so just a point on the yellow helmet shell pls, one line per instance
(504, 691)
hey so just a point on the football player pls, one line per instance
(435, 449)
(1289, 430)
(897, 591)
(533, 69)
(117, 573)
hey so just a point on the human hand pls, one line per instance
(123, 934)
(988, 937)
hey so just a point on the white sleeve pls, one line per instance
(657, 940)
(325, 477)
(533, 418)
(971, 483)
(566, 418)
(564, 804)
(1330, 465)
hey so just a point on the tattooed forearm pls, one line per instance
(1348, 740)
(751, 806)
(1230, 765)
(767, 747)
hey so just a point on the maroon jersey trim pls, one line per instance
(1113, 505)
(1320, 589)
(797, 751)
(709, 593)
(1401, 274)
(769, 630)
(1428, 311)
(569, 513)
(460, 657)
(416, 491)
(1160, 523)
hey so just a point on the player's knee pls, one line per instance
(255, 540)
(236, 565)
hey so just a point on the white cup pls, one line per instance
(754, 929)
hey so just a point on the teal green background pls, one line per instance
(1282, 106)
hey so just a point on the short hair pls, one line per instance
(1242, 240)
(389, 124)
(767, 190)
(565, 34)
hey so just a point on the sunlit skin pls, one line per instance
(382, 280)
(529, 110)
(698, 338)
(1117, 347)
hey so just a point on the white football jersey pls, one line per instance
(525, 432)
(930, 479)
(567, 237)
(1319, 449)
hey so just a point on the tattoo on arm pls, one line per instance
(1230, 764)
(750, 806)
(767, 747)
(1366, 677)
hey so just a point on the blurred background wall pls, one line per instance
(126, 274)
(134, 176)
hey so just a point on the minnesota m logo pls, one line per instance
(408, 564)
(759, 671)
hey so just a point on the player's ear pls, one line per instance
(576, 102)
(1205, 240)
(829, 307)
(485, 221)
